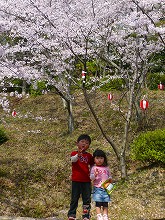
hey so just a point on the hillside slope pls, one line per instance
(35, 166)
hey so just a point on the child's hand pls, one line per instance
(96, 172)
(80, 151)
(110, 180)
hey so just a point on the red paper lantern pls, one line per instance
(144, 104)
(161, 86)
(83, 77)
(83, 74)
(110, 96)
(14, 113)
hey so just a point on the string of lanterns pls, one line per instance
(144, 103)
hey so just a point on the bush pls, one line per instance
(38, 88)
(149, 146)
(3, 136)
(114, 84)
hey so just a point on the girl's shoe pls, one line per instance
(105, 217)
(71, 218)
(99, 217)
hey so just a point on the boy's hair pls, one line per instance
(85, 137)
(101, 153)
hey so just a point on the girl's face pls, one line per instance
(99, 160)
(83, 145)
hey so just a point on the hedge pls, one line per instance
(149, 146)
(3, 136)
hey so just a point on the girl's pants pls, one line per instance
(84, 189)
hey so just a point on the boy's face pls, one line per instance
(83, 145)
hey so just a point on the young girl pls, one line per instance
(99, 174)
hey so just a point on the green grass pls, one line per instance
(35, 164)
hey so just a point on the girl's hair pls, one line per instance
(85, 137)
(101, 153)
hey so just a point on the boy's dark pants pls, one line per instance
(84, 189)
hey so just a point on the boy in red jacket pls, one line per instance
(81, 183)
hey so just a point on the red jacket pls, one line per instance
(81, 166)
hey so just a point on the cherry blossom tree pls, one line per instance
(133, 38)
(123, 34)
(36, 39)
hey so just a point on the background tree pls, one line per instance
(123, 34)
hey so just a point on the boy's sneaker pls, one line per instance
(99, 217)
(85, 218)
(105, 217)
(71, 218)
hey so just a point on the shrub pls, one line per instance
(3, 136)
(38, 88)
(114, 84)
(149, 146)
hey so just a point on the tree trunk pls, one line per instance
(68, 106)
(24, 87)
(98, 123)
(123, 169)
(70, 117)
